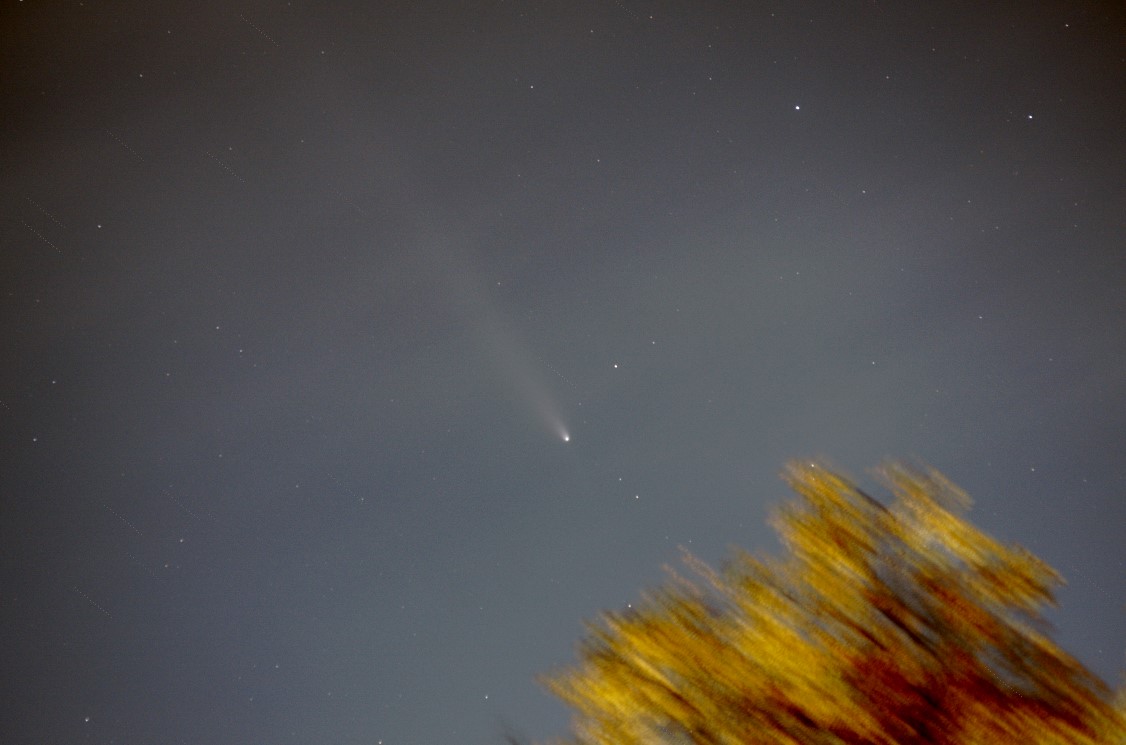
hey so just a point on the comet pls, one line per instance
(545, 407)
(520, 372)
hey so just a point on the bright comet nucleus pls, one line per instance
(560, 429)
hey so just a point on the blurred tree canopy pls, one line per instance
(896, 624)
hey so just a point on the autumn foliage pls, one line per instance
(897, 624)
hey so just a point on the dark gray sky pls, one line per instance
(299, 300)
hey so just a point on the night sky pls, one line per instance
(354, 353)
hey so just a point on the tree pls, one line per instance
(885, 625)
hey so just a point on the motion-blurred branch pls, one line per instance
(899, 624)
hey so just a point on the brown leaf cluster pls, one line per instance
(881, 625)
